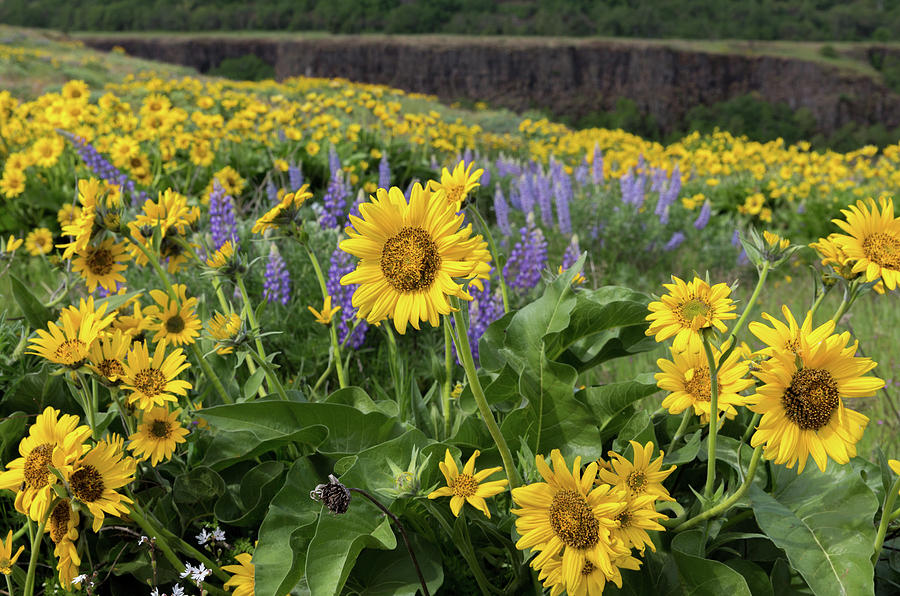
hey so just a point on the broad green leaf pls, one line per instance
(35, 312)
(658, 576)
(824, 523)
(491, 342)
(391, 573)
(253, 383)
(197, 485)
(687, 452)
(359, 399)
(638, 428)
(757, 580)
(284, 535)
(247, 505)
(606, 401)
(701, 576)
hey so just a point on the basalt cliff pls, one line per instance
(567, 77)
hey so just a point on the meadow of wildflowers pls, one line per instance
(330, 338)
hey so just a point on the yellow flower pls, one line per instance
(312, 148)
(157, 435)
(633, 523)
(790, 337)
(775, 242)
(688, 308)
(7, 559)
(174, 320)
(686, 377)
(107, 355)
(69, 343)
(102, 265)
(801, 401)
(63, 529)
(223, 328)
(577, 280)
(82, 227)
(872, 240)
(566, 514)
(243, 575)
(12, 183)
(325, 315)
(153, 382)
(458, 184)
(467, 487)
(221, 256)
(67, 214)
(410, 254)
(51, 439)
(640, 477)
(590, 582)
(39, 242)
(95, 478)
(284, 212)
(13, 244)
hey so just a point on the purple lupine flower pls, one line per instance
(295, 176)
(334, 162)
(573, 251)
(527, 259)
(103, 169)
(525, 195)
(583, 173)
(562, 186)
(277, 284)
(501, 210)
(544, 193)
(674, 242)
(271, 191)
(485, 178)
(597, 165)
(668, 189)
(703, 218)
(342, 264)
(335, 201)
(485, 308)
(384, 172)
(736, 238)
(222, 224)
(507, 167)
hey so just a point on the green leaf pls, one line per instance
(284, 535)
(35, 312)
(757, 580)
(198, 485)
(253, 383)
(638, 428)
(607, 401)
(258, 487)
(688, 452)
(391, 573)
(701, 576)
(824, 523)
(359, 399)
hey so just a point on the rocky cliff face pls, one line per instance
(572, 77)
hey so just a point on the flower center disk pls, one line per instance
(410, 260)
(100, 261)
(693, 309)
(175, 324)
(884, 249)
(464, 486)
(573, 520)
(35, 469)
(150, 382)
(699, 385)
(87, 484)
(160, 429)
(71, 352)
(59, 521)
(811, 398)
(637, 482)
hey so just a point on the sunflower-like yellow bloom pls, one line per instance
(688, 308)
(134, 324)
(94, 479)
(63, 528)
(686, 377)
(801, 402)
(639, 516)
(153, 382)
(82, 227)
(170, 212)
(775, 242)
(567, 515)
(39, 242)
(7, 559)
(174, 320)
(224, 328)
(108, 354)
(157, 435)
(872, 240)
(284, 212)
(468, 487)
(69, 341)
(643, 476)
(221, 256)
(458, 184)
(243, 575)
(12, 244)
(789, 337)
(102, 264)
(590, 582)
(326, 314)
(410, 254)
(51, 439)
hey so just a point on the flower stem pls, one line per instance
(685, 420)
(763, 273)
(270, 375)
(396, 520)
(210, 375)
(9, 584)
(126, 419)
(448, 373)
(713, 417)
(727, 503)
(817, 303)
(886, 514)
(496, 255)
(251, 317)
(464, 351)
(394, 365)
(335, 345)
(35, 547)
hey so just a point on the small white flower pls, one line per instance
(188, 570)
(218, 535)
(79, 579)
(200, 573)
(203, 537)
(155, 592)
(177, 590)
(142, 540)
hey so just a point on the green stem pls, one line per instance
(495, 254)
(465, 549)
(448, 373)
(251, 317)
(763, 273)
(335, 345)
(160, 272)
(210, 375)
(713, 417)
(271, 377)
(685, 420)
(895, 514)
(817, 303)
(126, 419)
(727, 503)
(750, 428)
(464, 351)
(889, 500)
(9, 584)
(394, 365)
(35, 544)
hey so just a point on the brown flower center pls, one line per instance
(150, 381)
(59, 521)
(623, 519)
(100, 261)
(884, 249)
(699, 385)
(572, 519)
(36, 466)
(71, 352)
(811, 398)
(111, 368)
(175, 324)
(160, 429)
(588, 568)
(87, 484)
(410, 260)
(464, 485)
(637, 481)
(693, 309)
(454, 194)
